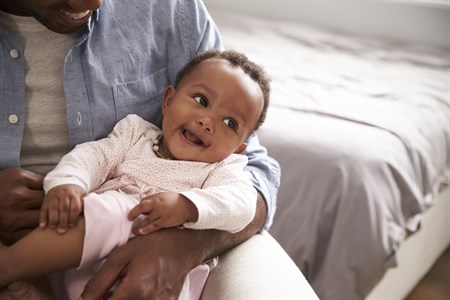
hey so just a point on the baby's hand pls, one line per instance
(61, 207)
(163, 210)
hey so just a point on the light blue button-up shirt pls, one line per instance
(121, 64)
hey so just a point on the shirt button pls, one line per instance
(14, 53)
(13, 119)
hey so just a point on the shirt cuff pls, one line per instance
(268, 188)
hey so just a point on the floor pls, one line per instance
(436, 284)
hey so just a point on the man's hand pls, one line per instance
(21, 195)
(35, 289)
(62, 207)
(154, 266)
(163, 210)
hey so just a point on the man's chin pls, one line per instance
(61, 22)
(64, 30)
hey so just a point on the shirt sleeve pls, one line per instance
(208, 35)
(90, 164)
(227, 199)
(264, 172)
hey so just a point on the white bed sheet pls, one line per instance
(361, 130)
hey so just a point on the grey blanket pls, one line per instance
(361, 130)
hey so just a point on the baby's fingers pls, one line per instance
(64, 208)
(53, 214)
(75, 211)
(149, 225)
(43, 216)
(144, 207)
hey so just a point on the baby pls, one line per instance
(141, 179)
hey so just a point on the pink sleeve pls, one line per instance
(90, 164)
(227, 200)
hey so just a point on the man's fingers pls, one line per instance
(21, 197)
(9, 238)
(17, 230)
(34, 199)
(19, 289)
(17, 226)
(105, 278)
(33, 180)
(36, 289)
(28, 219)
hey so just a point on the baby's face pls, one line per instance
(211, 112)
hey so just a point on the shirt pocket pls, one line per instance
(142, 97)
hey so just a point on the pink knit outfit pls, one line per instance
(122, 169)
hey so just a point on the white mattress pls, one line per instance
(361, 130)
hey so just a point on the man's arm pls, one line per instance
(152, 267)
(221, 241)
(265, 173)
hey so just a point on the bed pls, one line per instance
(359, 123)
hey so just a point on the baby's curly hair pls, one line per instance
(238, 59)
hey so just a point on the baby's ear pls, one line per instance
(241, 149)
(168, 95)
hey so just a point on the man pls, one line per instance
(58, 90)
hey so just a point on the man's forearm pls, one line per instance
(217, 242)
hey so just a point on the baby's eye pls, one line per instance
(231, 123)
(201, 100)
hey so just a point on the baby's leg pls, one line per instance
(106, 228)
(41, 252)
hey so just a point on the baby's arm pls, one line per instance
(163, 210)
(227, 198)
(61, 207)
(85, 168)
(226, 201)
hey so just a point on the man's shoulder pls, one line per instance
(170, 21)
(138, 9)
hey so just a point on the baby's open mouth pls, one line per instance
(191, 137)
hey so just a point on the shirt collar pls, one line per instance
(87, 29)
